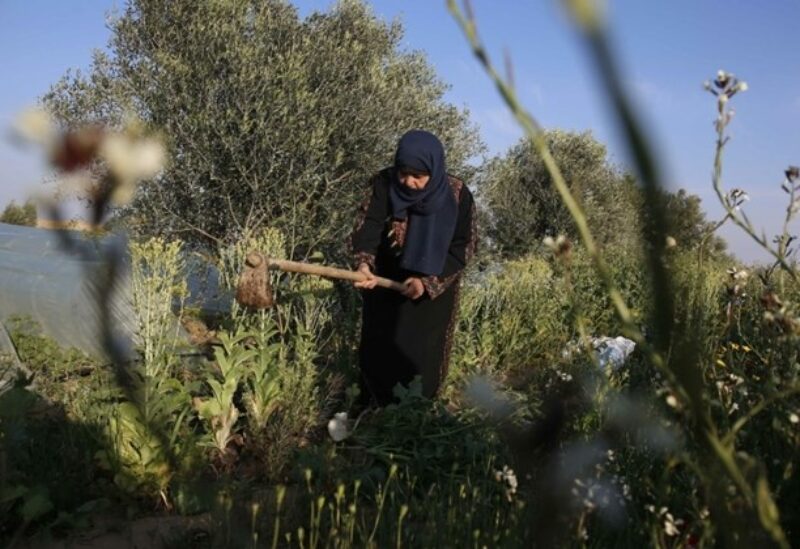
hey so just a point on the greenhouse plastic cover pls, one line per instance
(41, 281)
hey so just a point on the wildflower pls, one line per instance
(671, 525)
(670, 242)
(560, 246)
(793, 418)
(672, 402)
(509, 478)
(735, 198)
(337, 427)
(35, 126)
(130, 161)
(739, 278)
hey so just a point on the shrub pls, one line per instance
(19, 215)
(276, 118)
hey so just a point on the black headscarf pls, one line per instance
(432, 211)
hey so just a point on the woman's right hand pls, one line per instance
(370, 281)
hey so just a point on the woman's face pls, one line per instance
(413, 180)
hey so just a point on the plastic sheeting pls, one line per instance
(611, 352)
(39, 280)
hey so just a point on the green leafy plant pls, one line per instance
(735, 489)
(141, 460)
(263, 381)
(219, 410)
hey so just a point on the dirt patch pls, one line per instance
(144, 533)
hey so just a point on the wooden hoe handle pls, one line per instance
(254, 259)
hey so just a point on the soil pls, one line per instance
(144, 533)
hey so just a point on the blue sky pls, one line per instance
(667, 49)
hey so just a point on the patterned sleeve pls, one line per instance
(369, 223)
(462, 247)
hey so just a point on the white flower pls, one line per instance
(151, 158)
(337, 427)
(738, 275)
(793, 418)
(130, 161)
(669, 527)
(133, 159)
(554, 243)
(672, 402)
(509, 478)
(742, 86)
(36, 126)
(670, 242)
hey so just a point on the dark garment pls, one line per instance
(433, 208)
(401, 338)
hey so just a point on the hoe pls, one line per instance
(254, 290)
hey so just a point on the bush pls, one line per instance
(524, 206)
(276, 118)
(19, 215)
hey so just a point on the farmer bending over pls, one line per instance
(417, 224)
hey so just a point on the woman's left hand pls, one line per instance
(414, 288)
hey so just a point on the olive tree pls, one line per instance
(15, 214)
(524, 206)
(269, 118)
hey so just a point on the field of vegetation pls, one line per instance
(248, 436)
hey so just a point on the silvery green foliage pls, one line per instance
(525, 206)
(269, 118)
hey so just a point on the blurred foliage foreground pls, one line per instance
(528, 441)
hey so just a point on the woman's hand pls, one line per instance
(369, 282)
(414, 288)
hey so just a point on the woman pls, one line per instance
(416, 225)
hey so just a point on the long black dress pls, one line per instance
(403, 338)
